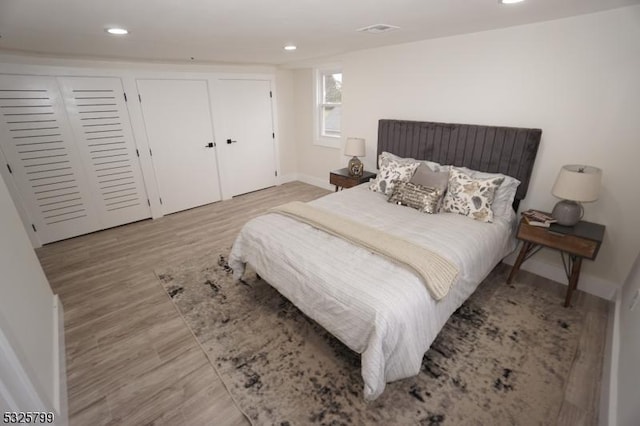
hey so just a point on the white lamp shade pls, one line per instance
(578, 183)
(355, 147)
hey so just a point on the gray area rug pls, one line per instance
(501, 359)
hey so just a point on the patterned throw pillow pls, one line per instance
(470, 197)
(422, 198)
(391, 170)
(506, 192)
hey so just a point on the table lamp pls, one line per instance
(575, 184)
(356, 148)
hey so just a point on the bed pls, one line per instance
(375, 306)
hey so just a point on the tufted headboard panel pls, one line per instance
(507, 150)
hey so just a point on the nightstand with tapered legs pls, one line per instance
(575, 243)
(341, 178)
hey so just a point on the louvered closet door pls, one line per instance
(38, 145)
(100, 121)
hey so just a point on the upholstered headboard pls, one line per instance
(507, 150)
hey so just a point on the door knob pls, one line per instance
(209, 145)
(229, 141)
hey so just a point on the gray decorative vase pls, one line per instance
(567, 212)
(355, 167)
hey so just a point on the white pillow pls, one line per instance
(503, 198)
(431, 164)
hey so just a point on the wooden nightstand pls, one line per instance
(578, 242)
(341, 179)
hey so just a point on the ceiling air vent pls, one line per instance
(378, 29)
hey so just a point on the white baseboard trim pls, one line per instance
(602, 288)
(315, 181)
(609, 364)
(609, 391)
(59, 364)
(291, 177)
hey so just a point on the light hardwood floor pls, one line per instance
(131, 360)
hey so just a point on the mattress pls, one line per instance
(376, 307)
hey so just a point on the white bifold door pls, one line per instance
(177, 117)
(244, 125)
(71, 154)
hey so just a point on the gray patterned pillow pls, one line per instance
(422, 198)
(506, 192)
(391, 170)
(470, 197)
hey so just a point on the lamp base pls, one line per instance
(567, 212)
(355, 167)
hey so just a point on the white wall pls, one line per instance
(27, 314)
(577, 79)
(628, 412)
(286, 124)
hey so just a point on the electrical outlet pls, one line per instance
(634, 300)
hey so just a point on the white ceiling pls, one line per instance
(254, 31)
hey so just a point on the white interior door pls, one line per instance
(43, 158)
(244, 124)
(177, 118)
(100, 121)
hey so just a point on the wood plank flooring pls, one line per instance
(131, 360)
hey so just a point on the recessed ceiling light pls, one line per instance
(290, 47)
(509, 1)
(117, 31)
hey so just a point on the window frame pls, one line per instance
(331, 141)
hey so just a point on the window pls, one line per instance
(329, 107)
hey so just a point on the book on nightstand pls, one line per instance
(538, 218)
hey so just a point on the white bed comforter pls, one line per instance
(374, 306)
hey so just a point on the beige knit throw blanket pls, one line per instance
(437, 273)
